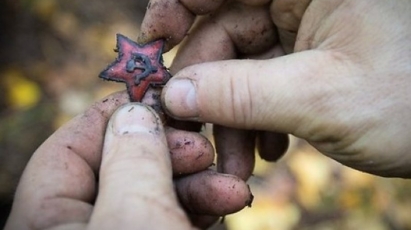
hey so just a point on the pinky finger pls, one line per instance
(235, 151)
(272, 146)
(213, 193)
(202, 221)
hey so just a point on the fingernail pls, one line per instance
(135, 118)
(180, 98)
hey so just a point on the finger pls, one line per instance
(203, 221)
(152, 99)
(58, 183)
(287, 16)
(235, 151)
(272, 146)
(234, 30)
(167, 19)
(200, 7)
(190, 152)
(136, 189)
(212, 193)
(288, 94)
(171, 20)
(205, 43)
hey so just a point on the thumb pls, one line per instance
(282, 94)
(135, 184)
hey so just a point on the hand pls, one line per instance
(346, 89)
(129, 162)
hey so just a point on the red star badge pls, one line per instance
(139, 66)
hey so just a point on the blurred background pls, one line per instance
(50, 55)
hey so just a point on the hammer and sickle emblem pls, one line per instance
(141, 62)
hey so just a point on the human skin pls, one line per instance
(345, 85)
(115, 171)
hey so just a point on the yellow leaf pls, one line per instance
(21, 92)
(313, 172)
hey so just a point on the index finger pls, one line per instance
(171, 19)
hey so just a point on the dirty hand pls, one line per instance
(345, 87)
(98, 172)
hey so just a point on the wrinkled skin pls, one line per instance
(345, 85)
(114, 171)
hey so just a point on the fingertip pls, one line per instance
(160, 21)
(212, 193)
(134, 118)
(203, 221)
(180, 99)
(134, 135)
(236, 151)
(271, 145)
(190, 151)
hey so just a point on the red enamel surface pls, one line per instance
(117, 70)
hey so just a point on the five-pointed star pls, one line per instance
(139, 66)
